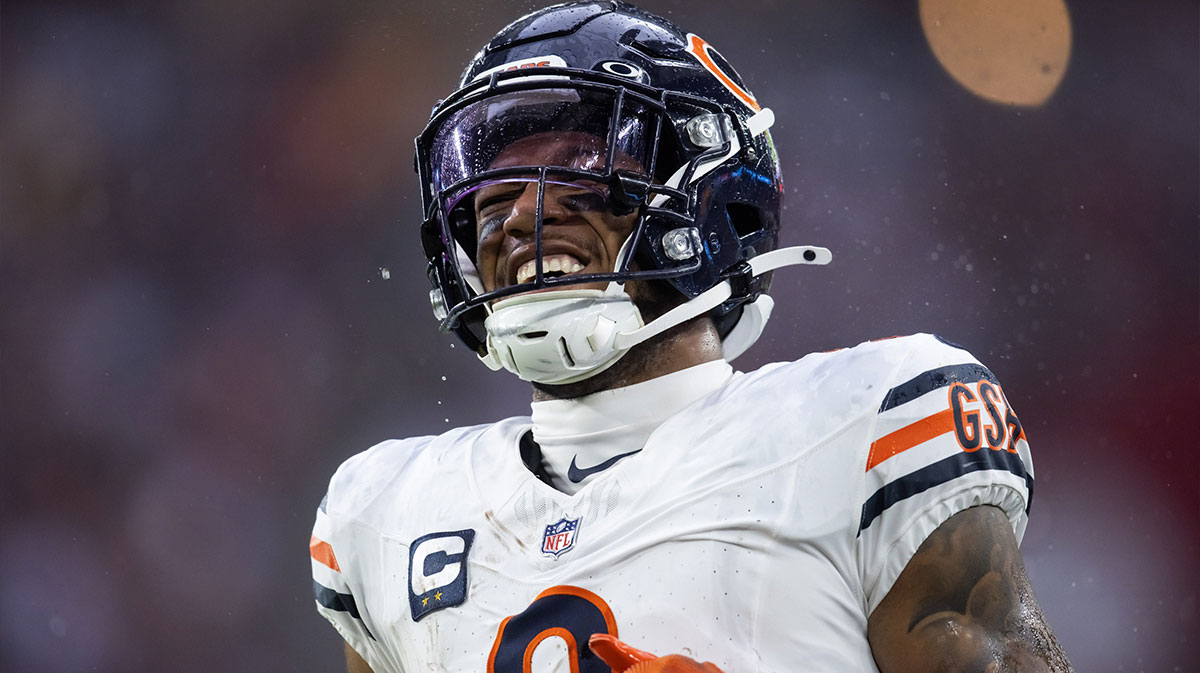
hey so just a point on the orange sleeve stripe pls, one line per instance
(909, 436)
(323, 553)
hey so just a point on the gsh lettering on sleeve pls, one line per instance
(982, 417)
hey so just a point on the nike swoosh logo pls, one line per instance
(576, 475)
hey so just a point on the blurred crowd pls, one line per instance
(212, 293)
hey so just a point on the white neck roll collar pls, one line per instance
(589, 430)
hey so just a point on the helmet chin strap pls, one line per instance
(721, 292)
(570, 335)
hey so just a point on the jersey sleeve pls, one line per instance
(333, 590)
(944, 439)
(344, 553)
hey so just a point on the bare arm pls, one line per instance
(964, 604)
(355, 663)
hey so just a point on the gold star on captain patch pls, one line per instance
(437, 596)
(425, 601)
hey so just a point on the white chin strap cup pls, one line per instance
(749, 327)
(569, 335)
(561, 336)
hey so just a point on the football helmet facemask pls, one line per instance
(674, 145)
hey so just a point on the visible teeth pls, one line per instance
(564, 264)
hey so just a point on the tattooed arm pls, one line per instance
(964, 604)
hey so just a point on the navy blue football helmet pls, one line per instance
(678, 140)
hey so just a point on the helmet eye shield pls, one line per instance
(576, 129)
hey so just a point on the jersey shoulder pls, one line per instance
(923, 362)
(850, 383)
(367, 484)
(937, 402)
(894, 360)
(823, 403)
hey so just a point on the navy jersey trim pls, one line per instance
(531, 455)
(328, 598)
(939, 473)
(334, 601)
(948, 342)
(934, 379)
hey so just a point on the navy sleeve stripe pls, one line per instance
(334, 601)
(934, 379)
(328, 598)
(939, 473)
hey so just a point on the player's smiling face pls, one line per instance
(581, 233)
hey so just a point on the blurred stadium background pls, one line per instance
(199, 201)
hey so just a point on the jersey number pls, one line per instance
(570, 613)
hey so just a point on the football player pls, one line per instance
(601, 216)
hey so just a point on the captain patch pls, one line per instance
(437, 571)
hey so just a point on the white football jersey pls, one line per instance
(757, 529)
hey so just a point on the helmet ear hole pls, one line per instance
(745, 219)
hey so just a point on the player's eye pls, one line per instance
(583, 200)
(490, 200)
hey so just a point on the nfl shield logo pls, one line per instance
(560, 537)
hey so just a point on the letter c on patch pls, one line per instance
(431, 564)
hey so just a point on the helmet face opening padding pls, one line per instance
(639, 122)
